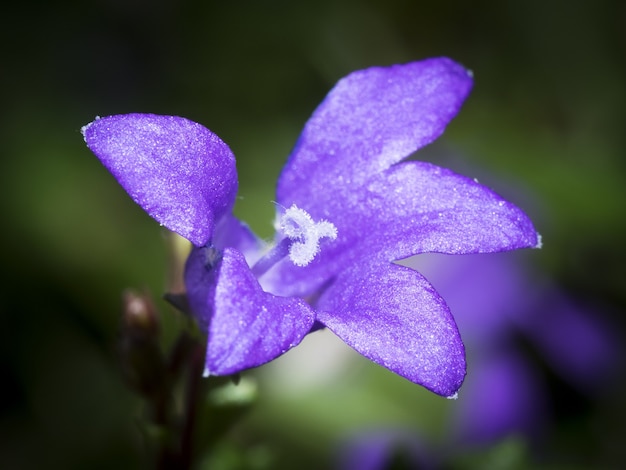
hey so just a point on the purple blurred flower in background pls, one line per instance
(347, 208)
(501, 304)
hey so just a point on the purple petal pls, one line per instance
(413, 207)
(232, 232)
(178, 171)
(417, 207)
(394, 317)
(246, 327)
(370, 120)
(483, 291)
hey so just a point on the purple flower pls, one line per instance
(347, 208)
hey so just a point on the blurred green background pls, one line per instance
(546, 118)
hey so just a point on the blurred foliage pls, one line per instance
(546, 117)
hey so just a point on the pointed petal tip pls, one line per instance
(446, 384)
(527, 236)
(372, 119)
(84, 129)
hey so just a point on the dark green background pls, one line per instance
(546, 117)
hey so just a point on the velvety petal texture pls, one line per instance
(178, 171)
(246, 327)
(411, 208)
(394, 317)
(345, 169)
(370, 120)
(422, 208)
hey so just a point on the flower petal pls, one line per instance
(393, 316)
(411, 208)
(246, 327)
(370, 120)
(178, 171)
(232, 232)
(484, 291)
(431, 209)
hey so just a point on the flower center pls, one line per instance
(301, 242)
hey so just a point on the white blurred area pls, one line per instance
(319, 361)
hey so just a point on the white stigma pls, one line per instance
(297, 225)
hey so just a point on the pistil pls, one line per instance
(301, 240)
